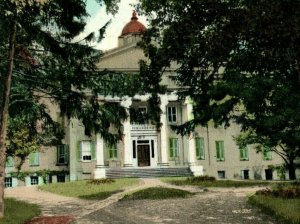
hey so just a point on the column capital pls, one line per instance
(126, 102)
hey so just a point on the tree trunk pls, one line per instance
(4, 112)
(292, 169)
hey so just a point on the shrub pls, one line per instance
(101, 181)
(291, 191)
(201, 179)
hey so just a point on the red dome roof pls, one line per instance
(133, 26)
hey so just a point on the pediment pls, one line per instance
(122, 59)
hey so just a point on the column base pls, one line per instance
(99, 172)
(128, 165)
(196, 170)
(73, 177)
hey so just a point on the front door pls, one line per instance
(143, 155)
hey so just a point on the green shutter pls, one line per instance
(67, 154)
(9, 161)
(34, 159)
(14, 182)
(246, 155)
(41, 181)
(197, 147)
(200, 148)
(93, 150)
(171, 147)
(220, 150)
(241, 154)
(78, 151)
(27, 181)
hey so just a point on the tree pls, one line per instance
(40, 60)
(238, 61)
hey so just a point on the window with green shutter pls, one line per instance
(9, 161)
(244, 154)
(113, 151)
(62, 154)
(86, 148)
(267, 154)
(34, 159)
(200, 153)
(173, 146)
(220, 150)
(172, 114)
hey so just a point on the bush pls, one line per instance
(101, 181)
(291, 191)
(201, 179)
(157, 193)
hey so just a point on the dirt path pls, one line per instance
(214, 206)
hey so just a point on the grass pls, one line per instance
(283, 208)
(179, 181)
(155, 193)
(84, 189)
(17, 212)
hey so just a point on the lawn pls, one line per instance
(282, 208)
(86, 190)
(25, 212)
(157, 193)
(207, 182)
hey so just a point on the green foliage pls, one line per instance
(86, 190)
(283, 191)
(41, 173)
(201, 179)
(282, 208)
(209, 182)
(26, 211)
(157, 193)
(101, 181)
(238, 61)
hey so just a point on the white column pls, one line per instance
(164, 131)
(100, 167)
(196, 169)
(127, 135)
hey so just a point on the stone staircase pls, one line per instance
(148, 172)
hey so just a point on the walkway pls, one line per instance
(214, 206)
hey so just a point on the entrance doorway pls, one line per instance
(143, 152)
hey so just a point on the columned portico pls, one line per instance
(196, 169)
(100, 167)
(163, 132)
(128, 157)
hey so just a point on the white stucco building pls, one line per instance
(146, 150)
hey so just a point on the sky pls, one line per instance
(99, 17)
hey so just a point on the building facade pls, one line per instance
(207, 151)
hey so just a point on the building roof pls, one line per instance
(133, 27)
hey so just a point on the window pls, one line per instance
(61, 178)
(34, 159)
(245, 174)
(244, 154)
(62, 154)
(34, 180)
(87, 150)
(113, 151)
(142, 112)
(200, 153)
(172, 114)
(267, 154)
(8, 182)
(220, 150)
(221, 174)
(9, 161)
(269, 174)
(173, 147)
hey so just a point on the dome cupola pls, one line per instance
(133, 27)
